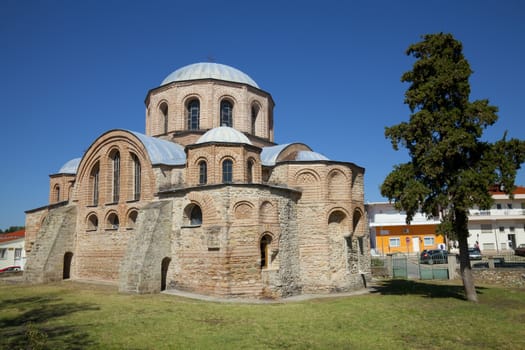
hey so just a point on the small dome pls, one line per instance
(209, 70)
(70, 167)
(224, 134)
(306, 156)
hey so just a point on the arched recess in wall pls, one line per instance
(250, 170)
(56, 193)
(338, 187)
(68, 260)
(359, 229)
(338, 222)
(164, 266)
(268, 213)
(266, 251)
(163, 116)
(255, 112)
(112, 221)
(132, 218)
(193, 215)
(92, 222)
(243, 210)
(339, 243)
(308, 181)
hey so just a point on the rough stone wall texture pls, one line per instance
(140, 267)
(45, 262)
(511, 278)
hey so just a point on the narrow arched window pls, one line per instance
(249, 172)
(203, 173)
(196, 215)
(116, 176)
(255, 113)
(137, 170)
(266, 242)
(193, 114)
(227, 171)
(226, 113)
(57, 193)
(94, 179)
(92, 223)
(164, 111)
(113, 221)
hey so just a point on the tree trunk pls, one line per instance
(461, 228)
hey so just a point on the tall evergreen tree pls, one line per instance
(451, 168)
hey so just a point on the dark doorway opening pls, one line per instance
(164, 272)
(68, 258)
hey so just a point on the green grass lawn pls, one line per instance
(400, 315)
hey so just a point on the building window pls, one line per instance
(57, 193)
(132, 219)
(18, 253)
(164, 111)
(193, 113)
(92, 223)
(395, 242)
(486, 228)
(137, 174)
(95, 174)
(203, 173)
(428, 241)
(501, 229)
(265, 245)
(255, 113)
(226, 113)
(227, 171)
(249, 172)
(113, 221)
(196, 216)
(116, 177)
(3, 253)
(511, 229)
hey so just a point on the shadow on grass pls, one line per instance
(31, 328)
(424, 289)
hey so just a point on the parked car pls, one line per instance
(10, 269)
(474, 254)
(520, 250)
(434, 256)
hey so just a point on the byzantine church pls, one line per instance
(203, 201)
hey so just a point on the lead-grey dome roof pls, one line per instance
(224, 134)
(209, 70)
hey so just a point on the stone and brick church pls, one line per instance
(203, 201)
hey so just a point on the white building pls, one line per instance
(502, 227)
(12, 252)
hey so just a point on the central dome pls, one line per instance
(224, 134)
(209, 70)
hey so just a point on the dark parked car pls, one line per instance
(520, 250)
(474, 254)
(10, 269)
(434, 256)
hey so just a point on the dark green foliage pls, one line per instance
(451, 168)
(12, 229)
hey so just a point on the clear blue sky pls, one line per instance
(71, 70)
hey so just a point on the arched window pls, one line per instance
(94, 179)
(113, 221)
(266, 242)
(92, 223)
(249, 172)
(132, 218)
(164, 111)
(255, 113)
(203, 173)
(226, 113)
(116, 176)
(193, 114)
(136, 177)
(196, 215)
(227, 171)
(57, 193)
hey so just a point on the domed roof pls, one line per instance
(306, 156)
(224, 134)
(70, 167)
(209, 70)
(162, 151)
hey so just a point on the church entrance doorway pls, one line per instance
(68, 258)
(164, 272)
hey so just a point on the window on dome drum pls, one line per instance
(266, 242)
(116, 177)
(203, 173)
(255, 113)
(193, 113)
(227, 171)
(226, 113)
(196, 216)
(136, 177)
(94, 179)
(57, 193)
(249, 172)
(164, 111)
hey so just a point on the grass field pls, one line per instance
(399, 315)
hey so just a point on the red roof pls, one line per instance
(11, 236)
(517, 190)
